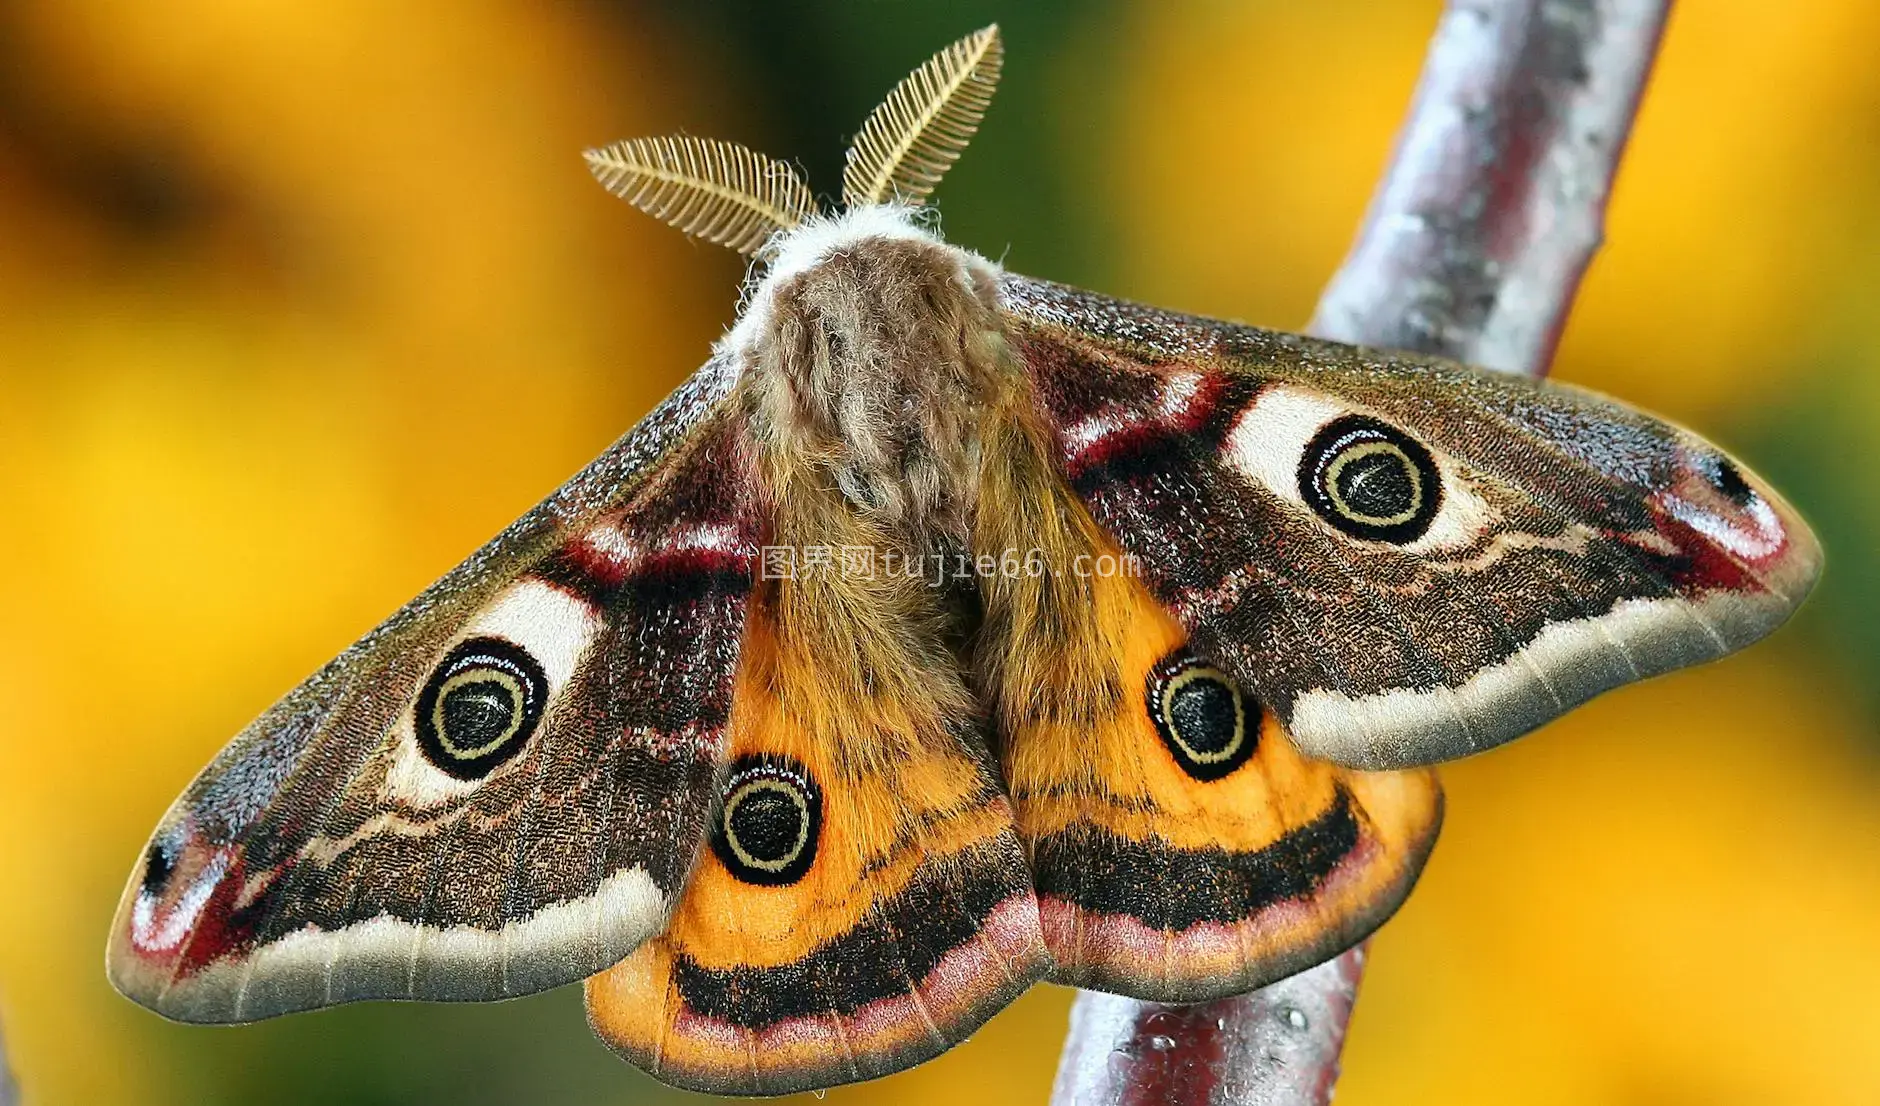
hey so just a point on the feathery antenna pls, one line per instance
(718, 191)
(913, 138)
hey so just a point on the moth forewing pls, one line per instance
(1409, 560)
(337, 851)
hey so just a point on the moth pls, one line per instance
(946, 632)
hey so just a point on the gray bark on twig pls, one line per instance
(1495, 201)
(1473, 249)
(1279, 1044)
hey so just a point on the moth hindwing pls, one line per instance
(947, 631)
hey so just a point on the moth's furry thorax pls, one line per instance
(888, 413)
(869, 352)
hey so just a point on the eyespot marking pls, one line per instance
(1209, 726)
(1370, 480)
(159, 867)
(1729, 482)
(479, 707)
(769, 821)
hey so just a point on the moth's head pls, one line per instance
(757, 205)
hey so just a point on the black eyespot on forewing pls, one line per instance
(479, 707)
(769, 821)
(1208, 724)
(159, 866)
(1729, 482)
(1370, 480)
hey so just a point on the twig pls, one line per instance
(1277, 1045)
(1473, 249)
(1476, 240)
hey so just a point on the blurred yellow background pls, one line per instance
(301, 302)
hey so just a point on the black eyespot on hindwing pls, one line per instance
(769, 821)
(479, 707)
(1209, 726)
(1370, 480)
